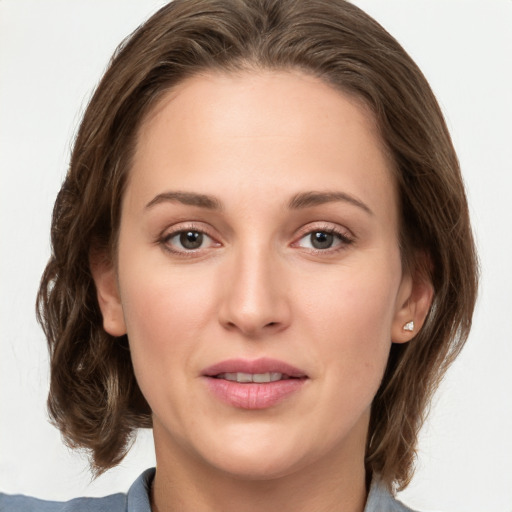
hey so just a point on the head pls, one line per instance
(94, 398)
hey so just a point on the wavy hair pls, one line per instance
(94, 398)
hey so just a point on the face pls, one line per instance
(259, 276)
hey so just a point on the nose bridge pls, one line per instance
(255, 301)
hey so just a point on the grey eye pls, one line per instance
(321, 240)
(191, 239)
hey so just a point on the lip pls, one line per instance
(262, 365)
(253, 395)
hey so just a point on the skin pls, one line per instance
(257, 287)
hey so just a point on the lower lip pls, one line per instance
(252, 395)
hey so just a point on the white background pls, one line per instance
(52, 53)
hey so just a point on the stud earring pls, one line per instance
(409, 326)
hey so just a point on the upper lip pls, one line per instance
(261, 365)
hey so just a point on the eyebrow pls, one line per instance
(188, 198)
(299, 201)
(309, 199)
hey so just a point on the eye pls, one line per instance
(187, 240)
(324, 239)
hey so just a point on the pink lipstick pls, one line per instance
(256, 384)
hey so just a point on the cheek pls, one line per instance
(165, 309)
(164, 315)
(345, 331)
(351, 314)
(353, 300)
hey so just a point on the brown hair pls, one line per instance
(94, 398)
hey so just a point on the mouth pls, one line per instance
(261, 370)
(256, 384)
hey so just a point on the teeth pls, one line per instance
(267, 377)
(253, 377)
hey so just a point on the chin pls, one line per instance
(259, 467)
(252, 452)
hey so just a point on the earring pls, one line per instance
(409, 326)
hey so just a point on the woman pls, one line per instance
(262, 251)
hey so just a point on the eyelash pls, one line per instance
(344, 239)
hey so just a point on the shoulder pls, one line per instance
(137, 500)
(381, 500)
(18, 503)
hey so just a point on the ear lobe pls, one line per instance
(413, 304)
(105, 279)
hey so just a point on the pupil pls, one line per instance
(321, 240)
(191, 239)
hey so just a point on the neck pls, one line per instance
(329, 485)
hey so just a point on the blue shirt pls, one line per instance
(137, 500)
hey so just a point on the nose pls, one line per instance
(255, 300)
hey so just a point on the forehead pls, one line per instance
(286, 130)
(293, 96)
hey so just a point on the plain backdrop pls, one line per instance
(52, 53)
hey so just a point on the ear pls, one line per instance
(413, 304)
(105, 279)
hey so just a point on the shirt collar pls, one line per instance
(138, 499)
(379, 498)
